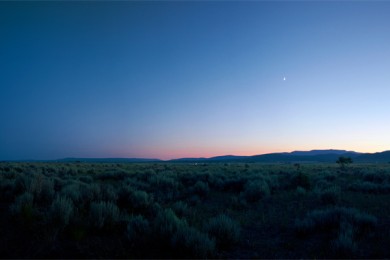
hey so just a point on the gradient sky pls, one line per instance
(190, 79)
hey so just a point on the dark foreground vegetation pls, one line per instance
(215, 210)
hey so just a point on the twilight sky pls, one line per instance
(189, 79)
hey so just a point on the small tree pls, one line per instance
(344, 161)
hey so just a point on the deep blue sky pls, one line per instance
(178, 79)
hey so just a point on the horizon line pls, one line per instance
(178, 158)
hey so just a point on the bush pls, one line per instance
(36, 185)
(234, 184)
(330, 195)
(217, 181)
(347, 223)
(330, 219)
(47, 192)
(108, 193)
(88, 193)
(301, 191)
(103, 214)
(72, 191)
(224, 229)
(181, 208)
(86, 179)
(344, 245)
(238, 203)
(138, 228)
(135, 201)
(369, 187)
(166, 224)
(22, 183)
(322, 184)
(189, 242)
(330, 177)
(165, 188)
(7, 190)
(178, 239)
(23, 205)
(92, 192)
(111, 175)
(61, 211)
(58, 183)
(256, 190)
(164, 183)
(301, 179)
(140, 200)
(201, 188)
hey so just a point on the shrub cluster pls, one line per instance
(370, 187)
(183, 240)
(169, 210)
(348, 223)
(224, 229)
(256, 190)
(104, 214)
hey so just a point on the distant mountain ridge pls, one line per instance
(312, 156)
(320, 152)
(330, 155)
(108, 160)
(381, 157)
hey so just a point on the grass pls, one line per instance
(183, 210)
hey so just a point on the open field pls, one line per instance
(176, 210)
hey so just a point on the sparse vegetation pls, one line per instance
(180, 210)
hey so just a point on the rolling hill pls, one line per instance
(313, 156)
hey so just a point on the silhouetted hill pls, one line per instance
(382, 157)
(322, 152)
(212, 159)
(228, 157)
(200, 159)
(313, 156)
(108, 160)
(330, 155)
(302, 157)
